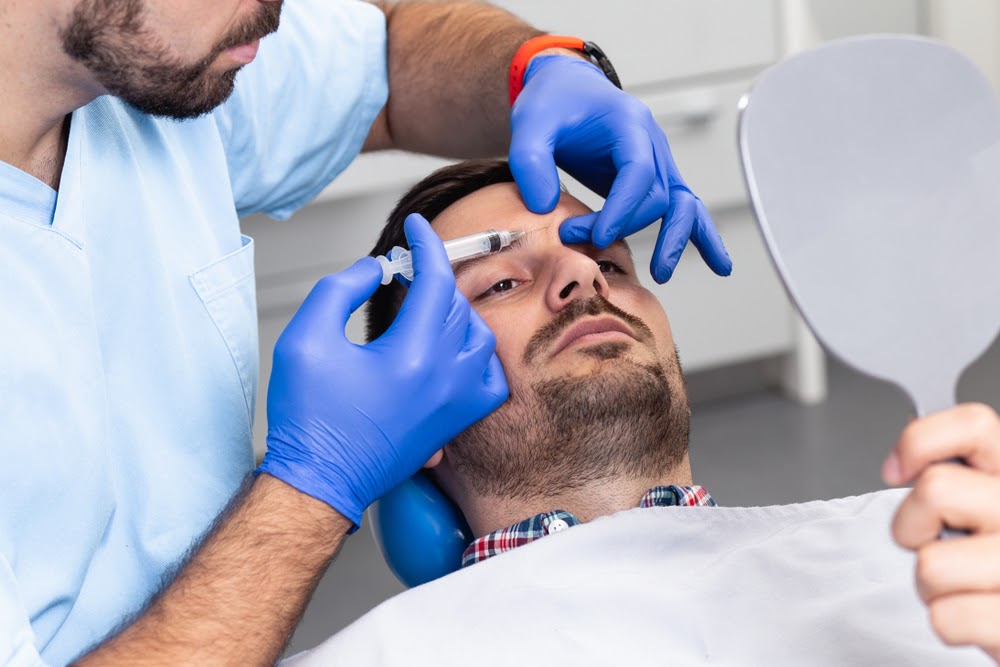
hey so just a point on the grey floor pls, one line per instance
(755, 448)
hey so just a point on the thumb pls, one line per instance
(533, 164)
(330, 303)
(495, 381)
(429, 298)
(578, 229)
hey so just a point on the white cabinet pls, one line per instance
(652, 42)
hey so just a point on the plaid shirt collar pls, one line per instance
(541, 525)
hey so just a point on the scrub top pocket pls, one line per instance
(228, 290)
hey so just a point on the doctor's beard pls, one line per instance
(627, 419)
(130, 61)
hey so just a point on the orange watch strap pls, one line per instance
(528, 50)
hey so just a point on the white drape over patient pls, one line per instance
(819, 583)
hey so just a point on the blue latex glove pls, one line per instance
(569, 113)
(346, 422)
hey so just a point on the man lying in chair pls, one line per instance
(597, 419)
(597, 423)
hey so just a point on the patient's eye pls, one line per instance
(500, 287)
(607, 266)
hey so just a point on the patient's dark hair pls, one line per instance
(428, 197)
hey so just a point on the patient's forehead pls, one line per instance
(500, 206)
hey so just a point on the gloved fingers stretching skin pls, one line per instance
(674, 233)
(709, 244)
(634, 160)
(569, 114)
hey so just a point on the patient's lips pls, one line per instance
(593, 331)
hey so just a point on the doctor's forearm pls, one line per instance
(239, 599)
(448, 67)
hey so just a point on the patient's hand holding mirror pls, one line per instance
(873, 165)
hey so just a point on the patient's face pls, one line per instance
(523, 292)
(588, 353)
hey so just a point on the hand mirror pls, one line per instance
(873, 166)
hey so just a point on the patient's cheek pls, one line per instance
(508, 359)
(505, 328)
(649, 309)
(518, 377)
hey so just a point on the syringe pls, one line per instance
(474, 245)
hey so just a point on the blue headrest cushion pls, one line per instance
(420, 531)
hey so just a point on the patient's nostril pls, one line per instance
(566, 291)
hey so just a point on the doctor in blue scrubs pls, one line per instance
(133, 136)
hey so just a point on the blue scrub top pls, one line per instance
(128, 329)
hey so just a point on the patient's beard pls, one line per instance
(627, 420)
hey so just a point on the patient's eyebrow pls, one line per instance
(466, 264)
(624, 244)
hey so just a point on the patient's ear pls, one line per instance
(435, 460)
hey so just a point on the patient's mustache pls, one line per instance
(595, 305)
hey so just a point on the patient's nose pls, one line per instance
(576, 277)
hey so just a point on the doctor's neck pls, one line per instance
(42, 86)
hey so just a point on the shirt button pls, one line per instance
(557, 525)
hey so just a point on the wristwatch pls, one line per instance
(532, 47)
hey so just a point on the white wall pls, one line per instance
(972, 27)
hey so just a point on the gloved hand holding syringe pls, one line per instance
(331, 433)
(465, 247)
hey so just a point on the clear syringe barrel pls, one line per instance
(474, 245)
